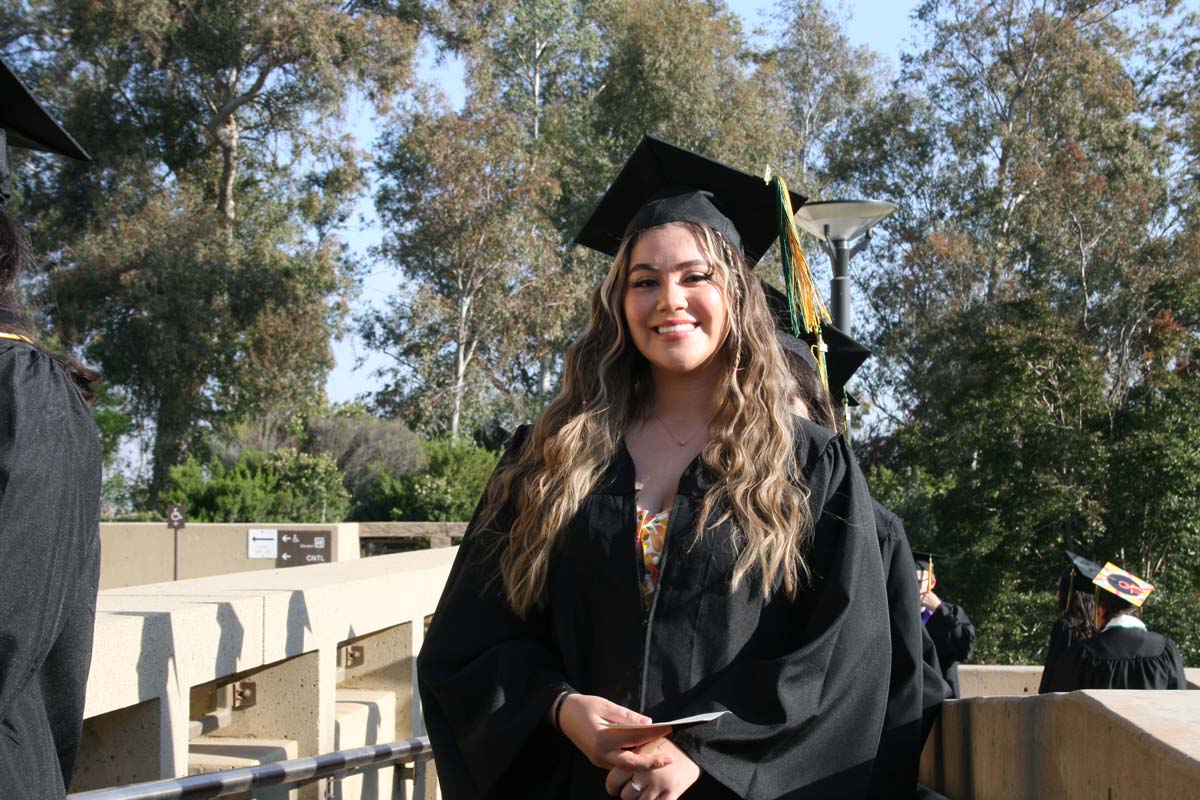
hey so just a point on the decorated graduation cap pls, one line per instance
(1125, 585)
(25, 123)
(843, 355)
(663, 183)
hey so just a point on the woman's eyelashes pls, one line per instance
(651, 282)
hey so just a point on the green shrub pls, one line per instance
(449, 489)
(282, 486)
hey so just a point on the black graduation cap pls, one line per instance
(663, 183)
(924, 559)
(1084, 569)
(25, 123)
(843, 356)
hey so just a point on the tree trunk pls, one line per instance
(229, 137)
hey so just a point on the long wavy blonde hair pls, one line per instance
(606, 386)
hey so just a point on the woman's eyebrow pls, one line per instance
(695, 262)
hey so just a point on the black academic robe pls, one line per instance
(953, 636)
(1125, 658)
(805, 680)
(50, 556)
(1056, 671)
(903, 737)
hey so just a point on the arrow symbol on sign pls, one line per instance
(286, 556)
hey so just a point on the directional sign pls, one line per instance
(176, 517)
(301, 548)
(262, 543)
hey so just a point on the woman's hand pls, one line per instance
(664, 783)
(582, 719)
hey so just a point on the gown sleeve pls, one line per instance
(49, 548)
(953, 634)
(807, 706)
(486, 676)
(900, 746)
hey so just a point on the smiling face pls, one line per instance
(674, 306)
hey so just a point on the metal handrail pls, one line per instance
(283, 773)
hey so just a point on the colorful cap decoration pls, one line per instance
(1124, 585)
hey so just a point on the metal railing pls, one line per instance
(297, 772)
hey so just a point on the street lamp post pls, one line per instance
(837, 224)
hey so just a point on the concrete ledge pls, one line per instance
(281, 628)
(987, 680)
(1077, 745)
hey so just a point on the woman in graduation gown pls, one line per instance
(665, 541)
(1123, 654)
(49, 548)
(49, 507)
(1077, 602)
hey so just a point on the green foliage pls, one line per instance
(450, 488)
(1035, 304)
(282, 486)
(196, 256)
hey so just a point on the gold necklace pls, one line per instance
(674, 438)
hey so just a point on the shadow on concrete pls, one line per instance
(298, 622)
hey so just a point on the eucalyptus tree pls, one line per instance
(1042, 248)
(196, 259)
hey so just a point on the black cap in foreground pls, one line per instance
(663, 183)
(843, 355)
(26, 124)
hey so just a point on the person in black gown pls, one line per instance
(49, 509)
(1123, 654)
(947, 623)
(523, 669)
(1077, 604)
(916, 689)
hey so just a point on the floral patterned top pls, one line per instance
(652, 534)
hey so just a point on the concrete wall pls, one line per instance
(1090, 744)
(137, 553)
(159, 647)
(987, 680)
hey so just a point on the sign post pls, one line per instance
(176, 520)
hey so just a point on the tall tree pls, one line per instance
(463, 200)
(822, 82)
(199, 248)
(1034, 148)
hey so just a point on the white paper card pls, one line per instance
(262, 543)
(674, 723)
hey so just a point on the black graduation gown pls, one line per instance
(953, 636)
(50, 556)
(1057, 670)
(806, 680)
(900, 747)
(1126, 658)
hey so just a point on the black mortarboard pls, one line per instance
(1087, 570)
(662, 183)
(843, 355)
(924, 559)
(25, 123)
